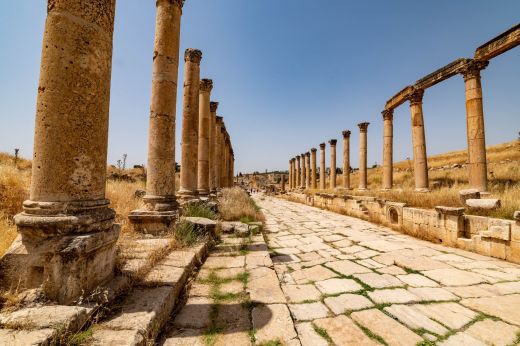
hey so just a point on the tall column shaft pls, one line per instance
(313, 165)
(212, 147)
(419, 142)
(67, 194)
(218, 152)
(388, 147)
(332, 143)
(322, 166)
(346, 159)
(477, 164)
(363, 128)
(298, 172)
(282, 182)
(304, 172)
(307, 170)
(290, 174)
(190, 123)
(205, 87)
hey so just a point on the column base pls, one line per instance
(362, 189)
(422, 189)
(184, 194)
(153, 222)
(202, 192)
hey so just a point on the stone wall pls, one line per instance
(449, 226)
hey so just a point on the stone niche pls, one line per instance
(394, 212)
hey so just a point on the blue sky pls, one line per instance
(289, 74)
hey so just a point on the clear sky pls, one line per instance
(289, 74)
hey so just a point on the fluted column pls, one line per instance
(190, 123)
(346, 159)
(419, 142)
(476, 134)
(212, 147)
(304, 172)
(205, 87)
(363, 127)
(307, 170)
(298, 172)
(322, 166)
(388, 158)
(67, 210)
(218, 152)
(332, 143)
(313, 165)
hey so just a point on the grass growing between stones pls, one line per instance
(271, 343)
(199, 210)
(323, 333)
(187, 234)
(371, 334)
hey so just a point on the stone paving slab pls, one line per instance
(343, 331)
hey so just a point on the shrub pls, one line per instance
(199, 210)
(236, 205)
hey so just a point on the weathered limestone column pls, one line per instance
(346, 159)
(205, 87)
(212, 147)
(419, 142)
(313, 165)
(298, 172)
(304, 172)
(67, 227)
(290, 174)
(363, 127)
(218, 152)
(190, 124)
(225, 158)
(477, 164)
(282, 181)
(322, 166)
(293, 170)
(307, 170)
(388, 158)
(160, 205)
(332, 143)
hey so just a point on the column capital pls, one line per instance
(205, 85)
(193, 55)
(363, 127)
(179, 3)
(219, 120)
(346, 133)
(472, 69)
(416, 96)
(322, 146)
(314, 150)
(308, 154)
(302, 155)
(388, 114)
(213, 106)
(333, 142)
(298, 157)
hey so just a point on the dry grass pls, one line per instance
(236, 205)
(123, 200)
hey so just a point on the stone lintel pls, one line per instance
(441, 74)
(449, 210)
(500, 44)
(399, 98)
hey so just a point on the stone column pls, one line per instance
(307, 170)
(205, 87)
(290, 174)
(282, 181)
(304, 172)
(322, 166)
(419, 142)
(293, 173)
(313, 165)
(190, 124)
(212, 147)
(388, 160)
(225, 153)
(218, 152)
(67, 227)
(477, 164)
(346, 159)
(160, 204)
(363, 127)
(332, 143)
(298, 172)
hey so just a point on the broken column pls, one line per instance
(363, 127)
(190, 124)
(205, 87)
(307, 170)
(298, 172)
(322, 166)
(67, 227)
(313, 168)
(419, 142)
(160, 205)
(304, 172)
(346, 159)
(332, 143)
(212, 147)
(388, 135)
(477, 164)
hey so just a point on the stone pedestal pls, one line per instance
(419, 142)
(205, 87)
(304, 172)
(160, 205)
(313, 168)
(388, 160)
(477, 164)
(332, 143)
(307, 170)
(213, 147)
(363, 127)
(346, 159)
(322, 166)
(190, 124)
(298, 172)
(67, 227)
